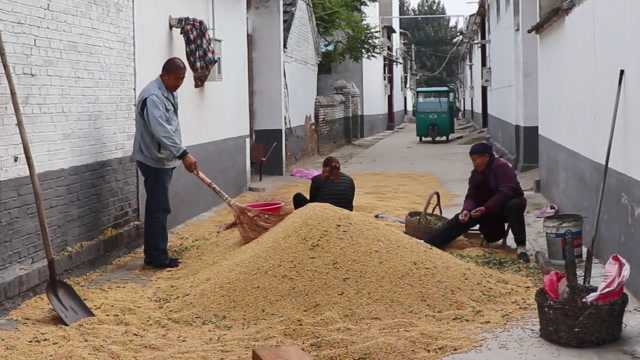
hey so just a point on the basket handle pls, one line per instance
(437, 205)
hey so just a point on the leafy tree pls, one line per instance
(436, 58)
(344, 32)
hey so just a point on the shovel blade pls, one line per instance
(67, 303)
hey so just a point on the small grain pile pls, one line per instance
(393, 194)
(342, 285)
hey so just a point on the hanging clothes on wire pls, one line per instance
(200, 50)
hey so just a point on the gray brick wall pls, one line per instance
(81, 202)
(337, 119)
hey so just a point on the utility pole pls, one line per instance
(472, 89)
(483, 64)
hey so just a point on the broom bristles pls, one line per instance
(253, 223)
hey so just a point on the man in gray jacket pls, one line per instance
(157, 149)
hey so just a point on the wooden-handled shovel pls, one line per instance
(64, 300)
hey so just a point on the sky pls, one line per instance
(457, 7)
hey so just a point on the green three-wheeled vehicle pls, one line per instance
(435, 112)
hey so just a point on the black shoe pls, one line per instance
(149, 262)
(524, 257)
(168, 264)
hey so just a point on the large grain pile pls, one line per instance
(340, 284)
(324, 259)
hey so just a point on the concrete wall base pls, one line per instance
(22, 279)
(515, 143)
(223, 161)
(572, 181)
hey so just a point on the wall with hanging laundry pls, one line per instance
(214, 115)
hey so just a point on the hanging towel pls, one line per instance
(200, 50)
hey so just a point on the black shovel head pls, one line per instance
(66, 302)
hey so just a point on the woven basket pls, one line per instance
(578, 324)
(424, 224)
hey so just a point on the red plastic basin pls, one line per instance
(273, 207)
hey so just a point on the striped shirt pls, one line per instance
(339, 192)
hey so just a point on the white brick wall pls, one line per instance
(73, 62)
(301, 43)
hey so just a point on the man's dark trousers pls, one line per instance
(513, 214)
(157, 210)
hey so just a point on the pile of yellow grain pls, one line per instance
(341, 285)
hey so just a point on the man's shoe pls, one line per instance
(524, 257)
(168, 264)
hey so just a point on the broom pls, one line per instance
(251, 222)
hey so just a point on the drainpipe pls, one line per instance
(472, 90)
(483, 64)
(135, 90)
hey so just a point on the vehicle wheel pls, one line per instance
(420, 138)
(447, 138)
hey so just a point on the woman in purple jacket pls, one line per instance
(493, 199)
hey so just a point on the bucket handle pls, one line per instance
(437, 205)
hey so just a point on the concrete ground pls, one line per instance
(400, 151)
(449, 162)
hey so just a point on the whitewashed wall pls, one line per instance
(410, 101)
(579, 62)
(513, 54)
(398, 92)
(265, 24)
(501, 52)
(220, 109)
(529, 75)
(373, 93)
(473, 79)
(301, 66)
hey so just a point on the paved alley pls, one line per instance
(450, 163)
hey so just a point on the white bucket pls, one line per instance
(558, 229)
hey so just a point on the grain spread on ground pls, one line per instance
(339, 284)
